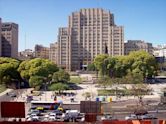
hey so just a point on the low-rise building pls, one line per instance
(41, 52)
(26, 54)
(160, 51)
(135, 45)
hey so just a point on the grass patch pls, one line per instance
(2, 88)
(75, 79)
(113, 92)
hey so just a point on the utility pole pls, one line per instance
(25, 41)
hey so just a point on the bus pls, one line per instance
(45, 105)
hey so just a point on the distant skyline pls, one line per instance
(39, 20)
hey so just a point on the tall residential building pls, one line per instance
(0, 38)
(53, 53)
(90, 32)
(135, 45)
(41, 52)
(9, 40)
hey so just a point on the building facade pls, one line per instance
(135, 45)
(26, 54)
(90, 32)
(9, 40)
(0, 37)
(41, 52)
(53, 53)
(160, 51)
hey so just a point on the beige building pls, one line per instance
(0, 37)
(9, 40)
(90, 32)
(26, 54)
(53, 53)
(41, 52)
(135, 45)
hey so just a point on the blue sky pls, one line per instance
(39, 20)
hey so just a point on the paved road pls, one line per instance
(159, 115)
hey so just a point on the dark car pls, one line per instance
(69, 118)
(148, 116)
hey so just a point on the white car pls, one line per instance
(31, 115)
(108, 117)
(52, 114)
(46, 116)
(33, 118)
(52, 118)
(131, 117)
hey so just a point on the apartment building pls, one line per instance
(9, 40)
(41, 52)
(135, 45)
(90, 32)
(0, 37)
(53, 53)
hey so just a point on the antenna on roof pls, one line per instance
(25, 40)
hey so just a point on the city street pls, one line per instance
(120, 107)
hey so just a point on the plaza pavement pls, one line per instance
(90, 87)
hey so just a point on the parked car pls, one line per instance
(70, 115)
(12, 94)
(148, 116)
(80, 117)
(37, 112)
(33, 118)
(131, 117)
(108, 117)
(52, 114)
(51, 118)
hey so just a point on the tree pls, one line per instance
(99, 63)
(104, 81)
(87, 95)
(37, 67)
(144, 63)
(119, 66)
(139, 91)
(61, 76)
(8, 70)
(60, 87)
(36, 82)
(91, 67)
(133, 78)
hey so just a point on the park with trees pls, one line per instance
(43, 74)
(36, 73)
(131, 69)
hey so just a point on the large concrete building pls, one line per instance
(0, 37)
(41, 52)
(53, 53)
(90, 32)
(9, 40)
(135, 45)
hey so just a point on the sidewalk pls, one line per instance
(6, 91)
